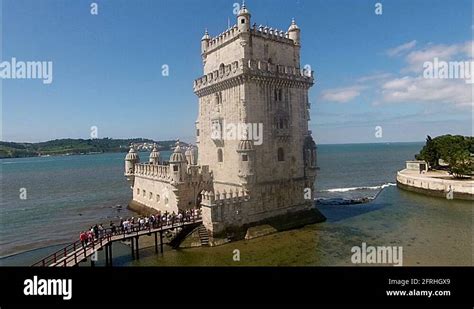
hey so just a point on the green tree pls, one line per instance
(455, 150)
(429, 153)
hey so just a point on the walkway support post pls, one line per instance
(110, 254)
(107, 255)
(137, 248)
(161, 241)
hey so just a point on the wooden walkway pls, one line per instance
(74, 253)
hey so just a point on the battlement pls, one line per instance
(261, 31)
(272, 34)
(215, 42)
(155, 171)
(253, 67)
(163, 172)
(211, 199)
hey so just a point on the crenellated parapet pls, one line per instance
(229, 35)
(153, 171)
(209, 198)
(221, 209)
(193, 173)
(272, 34)
(233, 33)
(238, 71)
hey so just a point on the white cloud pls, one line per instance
(409, 89)
(377, 77)
(341, 95)
(396, 51)
(443, 52)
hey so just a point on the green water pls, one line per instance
(431, 231)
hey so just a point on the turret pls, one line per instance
(130, 160)
(310, 156)
(177, 164)
(190, 155)
(205, 42)
(155, 155)
(294, 32)
(246, 153)
(243, 19)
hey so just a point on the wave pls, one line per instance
(385, 185)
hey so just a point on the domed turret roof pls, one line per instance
(206, 36)
(132, 155)
(245, 145)
(154, 153)
(243, 10)
(177, 155)
(293, 26)
(189, 151)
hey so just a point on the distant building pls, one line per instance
(417, 165)
(252, 76)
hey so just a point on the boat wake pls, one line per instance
(385, 185)
(351, 201)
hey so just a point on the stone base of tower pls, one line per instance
(291, 218)
(140, 208)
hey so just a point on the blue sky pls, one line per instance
(107, 67)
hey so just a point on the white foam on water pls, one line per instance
(385, 185)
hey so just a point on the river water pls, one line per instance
(67, 194)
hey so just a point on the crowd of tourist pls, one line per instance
(134, 224)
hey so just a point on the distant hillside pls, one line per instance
(78, 146)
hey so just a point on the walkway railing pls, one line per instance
(70, 252)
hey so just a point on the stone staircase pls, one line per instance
(203, 235)
(181, 235)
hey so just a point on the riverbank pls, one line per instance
(436, 183)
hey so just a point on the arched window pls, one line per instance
(281, 154)
(221, 69)
(219, 155)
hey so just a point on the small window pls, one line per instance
(144, 193)
(175, 168)
(197, 132)
(151, 195)
(138, 191)
(245, 157)
(158, 198)
(281, 154)
(219, 155)
(242, 21)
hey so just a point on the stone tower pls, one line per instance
(253, 82)
(256, 159)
